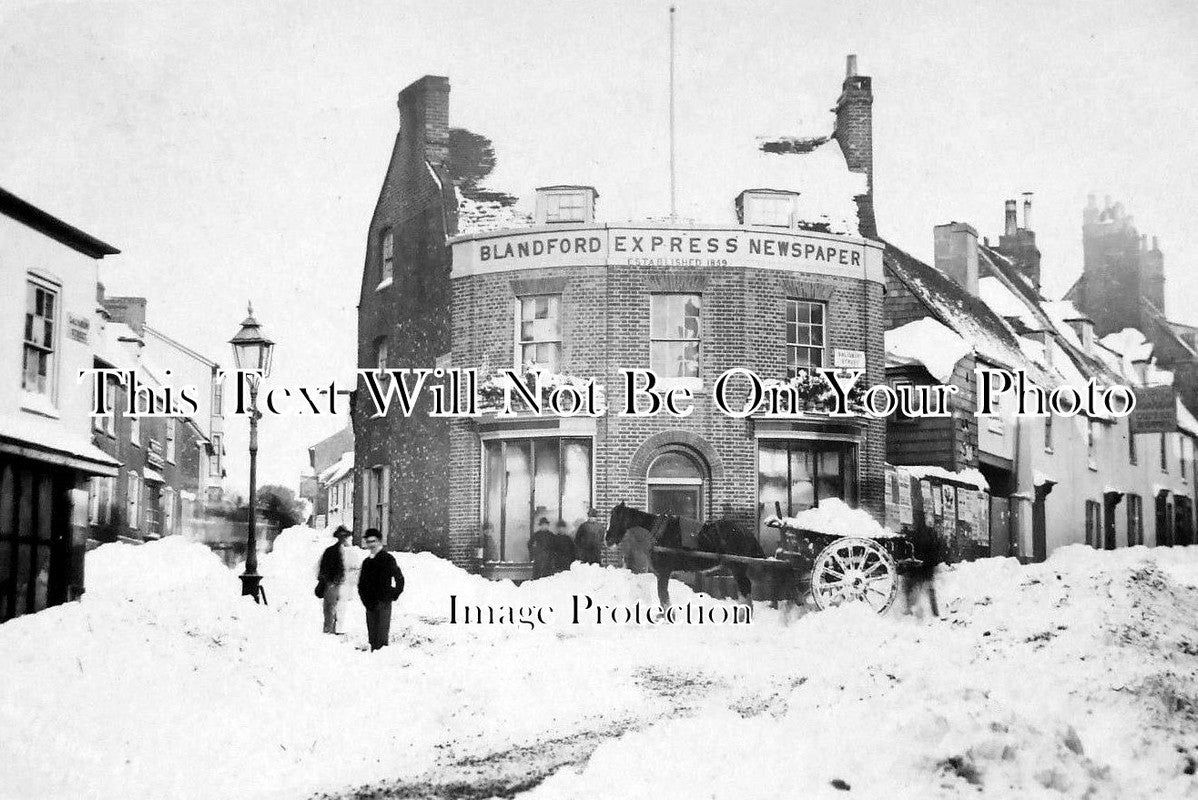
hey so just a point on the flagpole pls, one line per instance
(673, 189)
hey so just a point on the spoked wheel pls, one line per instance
(853, 570)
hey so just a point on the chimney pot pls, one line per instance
(1027, 211)
(1155, 244)
(1011, 218)
(850, 66)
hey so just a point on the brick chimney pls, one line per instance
(855, 133)
(424, 119)
(1019, 244)
(956, 246)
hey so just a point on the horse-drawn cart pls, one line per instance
(834, 567)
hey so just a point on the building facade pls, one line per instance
(48, 277)
(170, 466)
(1048, 480)
(332, 463)
(780, 287)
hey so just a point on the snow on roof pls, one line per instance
(1185, 420)
(971, 476)
(974, 321)
(1129, 343)
(826, 189)
(930, 343)
(835, 517)
(480, 216)
(1040, 478)
(338, 470)
(1002, 300)
(44, 433)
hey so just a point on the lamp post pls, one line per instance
(252, 353)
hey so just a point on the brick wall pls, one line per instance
(605, 319)
(413, 313)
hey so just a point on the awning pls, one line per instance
(153, 476)
(41, 438)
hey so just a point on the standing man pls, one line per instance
(331, 576)
(540, 549)
(588, 537)
(379, 585)
(563, 547)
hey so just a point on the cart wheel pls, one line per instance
(854, 570)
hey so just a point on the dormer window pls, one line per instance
(767, 207)
(557, 204)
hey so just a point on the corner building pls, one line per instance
(770, 290)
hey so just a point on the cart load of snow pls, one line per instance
(835, 518)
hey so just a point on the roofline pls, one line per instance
(45, 223)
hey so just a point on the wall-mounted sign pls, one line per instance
(1155, 411)
(848, 359)
(78, 328)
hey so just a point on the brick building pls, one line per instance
(461, 278)
(171, 467)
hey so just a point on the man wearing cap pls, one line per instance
(330, 577)
(588, 538)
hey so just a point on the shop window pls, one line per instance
(675, 485)
(528, 478)
(675, 335)
(795, 475)
(133, 499)
(1094, 524)
(1135, 520)
(99, 507)
(539, 337)
(386, 256)
(805, 339)
(41, 310)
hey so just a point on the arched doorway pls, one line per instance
(676, 482)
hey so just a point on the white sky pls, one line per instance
(235, 150)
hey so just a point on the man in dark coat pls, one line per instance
(563, 547)
(589, 537)
(331, 577)
(540, 549)
(379, 585)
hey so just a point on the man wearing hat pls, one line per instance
(330, 578)
(589, 537)
(540, 550)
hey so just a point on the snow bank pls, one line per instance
(144, 572)
(927, 341)
(837, 518)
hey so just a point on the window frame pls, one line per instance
(168, 445)
(386, 257)
(555, 207)
(35, 283)
(1048, 433)
(1164, 452)
(554, 300)
(792, 368)
(133, 499)
(1135, 520)
(697, 377)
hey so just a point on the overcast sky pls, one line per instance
(235, 151)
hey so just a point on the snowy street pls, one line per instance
(1074, 678)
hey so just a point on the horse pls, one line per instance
(718, 536)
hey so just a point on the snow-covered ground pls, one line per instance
(1073, 678)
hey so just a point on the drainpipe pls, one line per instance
(1025, 492)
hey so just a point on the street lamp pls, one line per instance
(252, 353)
